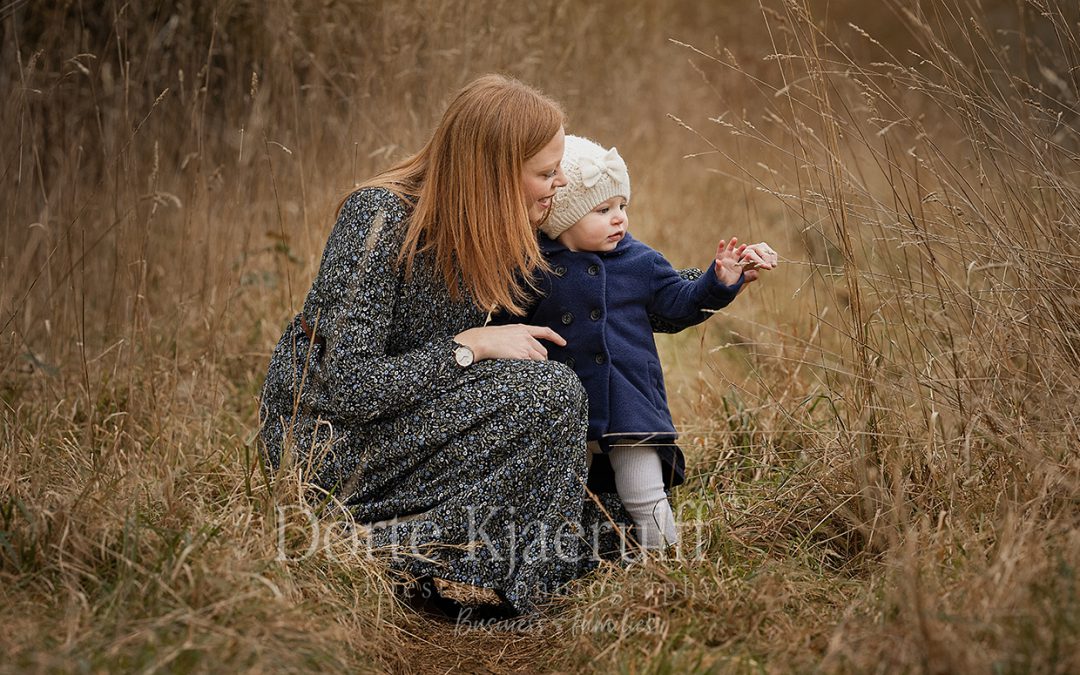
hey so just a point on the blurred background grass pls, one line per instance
(881, 434)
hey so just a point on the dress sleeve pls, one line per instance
(679, 298)
(352, 300)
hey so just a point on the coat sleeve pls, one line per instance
(353, 300)
(679, 299)
(659, 325)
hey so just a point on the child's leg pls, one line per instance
(639, 480)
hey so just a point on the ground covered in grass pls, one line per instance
(884, 454)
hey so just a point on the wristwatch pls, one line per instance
(463, 355)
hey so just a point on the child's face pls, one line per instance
(600, 229)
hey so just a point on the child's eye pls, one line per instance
(603, 210)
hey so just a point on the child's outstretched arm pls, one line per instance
(660, 325)
(680, 302)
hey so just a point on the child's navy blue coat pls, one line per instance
(604, 305)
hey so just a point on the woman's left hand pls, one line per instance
(733, 260)
(757, 257)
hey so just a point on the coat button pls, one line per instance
(569, 361)
(599, 358)
(567, 318)
(595, 315)
(559, 270)
(593, 270)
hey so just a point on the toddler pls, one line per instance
(604, 293)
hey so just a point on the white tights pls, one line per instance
(640, 482)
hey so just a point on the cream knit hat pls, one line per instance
(593, 175)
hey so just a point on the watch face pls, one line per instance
(463, 355)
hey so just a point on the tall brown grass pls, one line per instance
(883, 448)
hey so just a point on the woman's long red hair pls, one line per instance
(470, 211)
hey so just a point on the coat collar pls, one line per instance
(550, 247)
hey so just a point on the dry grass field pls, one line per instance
(882, 435)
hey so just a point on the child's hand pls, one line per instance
(728, 254)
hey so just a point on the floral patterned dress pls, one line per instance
(492, 456)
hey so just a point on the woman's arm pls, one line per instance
(351, 306)
(509, 335)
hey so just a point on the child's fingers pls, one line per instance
(729, 247)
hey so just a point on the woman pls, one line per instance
(395, 398)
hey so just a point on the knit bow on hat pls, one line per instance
(585, 164)
(611, 164)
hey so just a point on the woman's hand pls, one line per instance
(758, 257)
(734, 259)
(514, 341)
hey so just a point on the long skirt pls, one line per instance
(493, 470)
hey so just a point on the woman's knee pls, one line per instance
(554, 387)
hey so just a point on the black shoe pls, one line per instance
(423, 597)
(486, 615)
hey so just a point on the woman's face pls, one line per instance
(540, 175)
